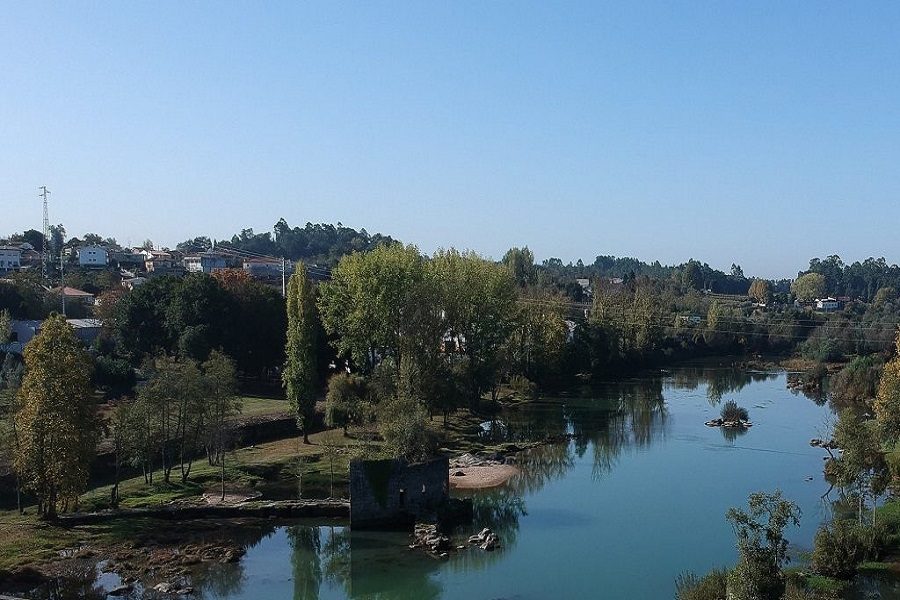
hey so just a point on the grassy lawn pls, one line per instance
(258, 406)
(24, 540)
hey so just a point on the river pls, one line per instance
(636, 497)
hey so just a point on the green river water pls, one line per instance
(636, 497)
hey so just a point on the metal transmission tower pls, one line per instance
(45, 251)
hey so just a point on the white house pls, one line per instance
(828, 304)
(204, 262)
(93, 256)
(10, 258)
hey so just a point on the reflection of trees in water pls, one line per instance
(638, 420)
(80, 581)
(541, 465)
(383, 568)
(336, 557)
(816, 393)
(227, 579)
(718, 381)
(498, 509)
(306, 544)
(732, 433)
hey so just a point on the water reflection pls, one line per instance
(599, 428)
(718, 382)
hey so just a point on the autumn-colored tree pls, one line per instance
(759, 291)
(300, 377)
(56, 423)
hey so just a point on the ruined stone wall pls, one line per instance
(393, 493)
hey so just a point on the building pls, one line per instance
(10, 258)
(74, 295)
(263, 268)
(127, 258)
(92, 256)
(204, 262)
(133, 282)
(157, 260)
(829, 304)
(391, 493)
(22, 332)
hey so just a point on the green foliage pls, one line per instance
(300, 375)
(841, 546)
(345, 401)
(884, 295)
(887, 401)
(709, 587)
(379, 304)
(403, 423)
(762, 548)
(808, 287)
(522, 386)
(479, 301)
(732, 412)
(114, 375)
(5, 326)
(857, 383)
(56, 423)
(861, 463)
(520, 262)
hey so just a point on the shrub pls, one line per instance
(842, 545)
(732, 412)
(709, 587)
(403, 423)
(522, 386)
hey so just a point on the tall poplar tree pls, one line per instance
(300, 378)
(56, 423)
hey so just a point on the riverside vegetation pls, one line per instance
(422, 337)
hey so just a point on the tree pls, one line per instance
(300, 376)
(762, 548)
(379, 305)
(56, 423)
(403, 423)
(174, 402)
(345, 401)
(759, 291)
(861, 463)
(887, 401)
(520, 262)
(884, 295)
(5, 326)
(220, 391)
(478, 299)
(808, 287)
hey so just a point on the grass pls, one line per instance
(259, 406)
(27, 541)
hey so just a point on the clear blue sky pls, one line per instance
(759, 133)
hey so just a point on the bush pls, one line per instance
(403, 423)
(709, 587)
(114, 375)
(732, 412)
(345, 403)
(842, 545)
(522, 386)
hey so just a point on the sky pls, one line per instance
(757, 133)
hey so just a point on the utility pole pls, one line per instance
(283, 278)
(62, 280)
(45, 251)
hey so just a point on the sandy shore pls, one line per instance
(476, 478)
